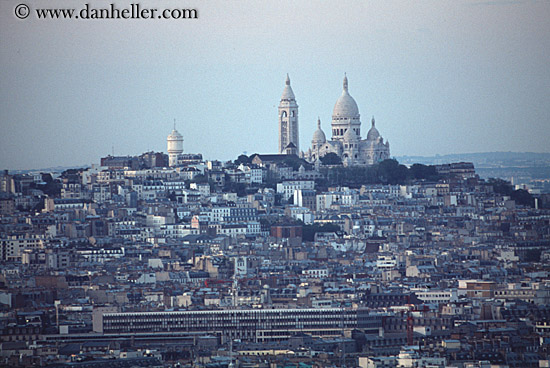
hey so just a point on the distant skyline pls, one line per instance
(440, 77)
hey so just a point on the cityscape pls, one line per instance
(274, 184)
(334, 255)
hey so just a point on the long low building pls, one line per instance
(258, 325)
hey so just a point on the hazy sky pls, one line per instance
(439, 76)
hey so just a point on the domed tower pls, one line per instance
(373, 133)
(175, 146)
(318, 140)
(374, 147)
(288, 119)
(345, 115)
(319, 137)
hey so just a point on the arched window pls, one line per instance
(293, 113)
(283, 114)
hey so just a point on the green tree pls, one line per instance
(391, 172)
(505, 188)
(243, 159)
(532, 255)
(200, 178)
(239, 188)
(523, 197)
(501, 186)
(419, 172)
(309, 231)
(331, 158)
(295, 162)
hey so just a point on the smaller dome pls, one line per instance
(319, 135)
(373, 133)
(175, 135)
(350, 135)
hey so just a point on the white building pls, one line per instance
(175, 146)
(316, 272)
(436, 296)
(288, 122)
(303, 214)
(203, 188)
(346, 139)
(346, 197)
(287, 187)
(386, 262)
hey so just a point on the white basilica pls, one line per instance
(346, 139)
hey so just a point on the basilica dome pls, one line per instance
(350, 136)
(373, 133)
(345, 106)
(319, 135)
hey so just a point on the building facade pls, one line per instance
(175, 147)
(289, 132)
(258, 325)
(346, 139)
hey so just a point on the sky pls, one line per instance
(439, 77)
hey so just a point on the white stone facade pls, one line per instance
(288, 122)
(346, 139)
(175, 146)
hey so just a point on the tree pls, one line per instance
(523, 197)
(295, 162)
(243, 159)
(331, 158)
(419, 172)
(505, 188)
(532, 255)
(501, 186)
(391, 172)
(309, 231)
(200, 178)
(51, 188)
(232, 187)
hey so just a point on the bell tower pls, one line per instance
(288, 119)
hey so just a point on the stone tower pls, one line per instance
(288, 121)
(175, 146)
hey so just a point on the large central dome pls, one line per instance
(345, 106)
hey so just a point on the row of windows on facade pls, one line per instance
(343, 131)
(235, 319)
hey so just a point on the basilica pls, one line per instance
(346, 139)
